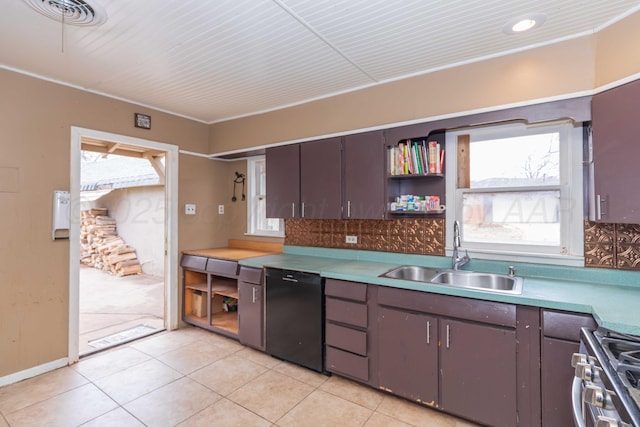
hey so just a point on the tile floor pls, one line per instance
(192, 377)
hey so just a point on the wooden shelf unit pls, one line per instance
(204, 292)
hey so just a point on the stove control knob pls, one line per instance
(597, 396)
(588, 372)
(606, 422)
(578, 358)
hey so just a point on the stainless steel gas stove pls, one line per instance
(605, 388)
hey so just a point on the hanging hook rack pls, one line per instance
(239, 179)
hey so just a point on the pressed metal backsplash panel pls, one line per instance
(424, 236)
(612, 245)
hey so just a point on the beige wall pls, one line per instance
(35, 121)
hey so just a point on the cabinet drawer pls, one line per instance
(194, 262)
(557, 324)
(251, 275)
(347, 290)
(347, 339)
(350, 364)
(495, 313)
(348, 312)
(222, 267)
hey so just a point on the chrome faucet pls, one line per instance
(458, 261)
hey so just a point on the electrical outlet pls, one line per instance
(190, 209)
(220, 209)
(352, 239)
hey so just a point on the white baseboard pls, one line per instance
(32, 372)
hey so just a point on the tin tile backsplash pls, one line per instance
(614, 246)
(424, 236)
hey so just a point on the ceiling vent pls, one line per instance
(74, 12)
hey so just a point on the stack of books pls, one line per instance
(416, 157)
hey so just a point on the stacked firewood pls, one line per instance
(102, 248)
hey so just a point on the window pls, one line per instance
(518, 191)
(257, 222)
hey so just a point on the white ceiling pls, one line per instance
(213, 60)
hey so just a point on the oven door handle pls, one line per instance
(576, 403)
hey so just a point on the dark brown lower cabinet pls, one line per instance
(408, 355)
(453, 353)
(478, 372)
(251, 307)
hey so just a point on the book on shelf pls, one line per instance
(416, 157)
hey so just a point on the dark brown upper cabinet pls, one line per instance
(616, 150)
(363, 160)
(283, 181)
(320, 179)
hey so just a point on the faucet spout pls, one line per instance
(458, 261)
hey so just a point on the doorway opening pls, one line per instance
(121, 262)
(122, 225)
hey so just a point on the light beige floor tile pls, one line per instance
(381, 420)
(118, 417)
(354, 392)
(258, 357)
(104, 364)
(465, 423)
(227, 375)
(137, 380)
(321, 409)
(172, 403)
(71, 408)
(414, 414)
(271, 395)
(314, 379)
(225, 413)
(163, 343)
(193, 356)
(33, 390)
(202, 335)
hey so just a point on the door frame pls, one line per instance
(170, 229)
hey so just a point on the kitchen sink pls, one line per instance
(458, 278)
(475, 280)
(412, 272)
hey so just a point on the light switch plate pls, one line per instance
(221, 209)
(352, 239)
(190, 209)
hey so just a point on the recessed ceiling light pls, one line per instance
(523, 23)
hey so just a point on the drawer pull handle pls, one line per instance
(428, 332)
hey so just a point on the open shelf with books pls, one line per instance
(415, 176)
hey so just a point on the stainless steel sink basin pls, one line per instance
(483, 281)
(458, 278)
(412, 272)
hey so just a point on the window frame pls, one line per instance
(571, 249)
(252, 200)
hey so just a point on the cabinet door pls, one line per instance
(616, 151)
(283, 181)
(320, 179)
(557, 375)
(478, 372)
(364, 173)
(408, 354)
(250, 315)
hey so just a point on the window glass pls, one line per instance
(515, 162)
(257, 221)
(517, 191)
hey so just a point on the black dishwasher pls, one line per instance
(295, 317)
